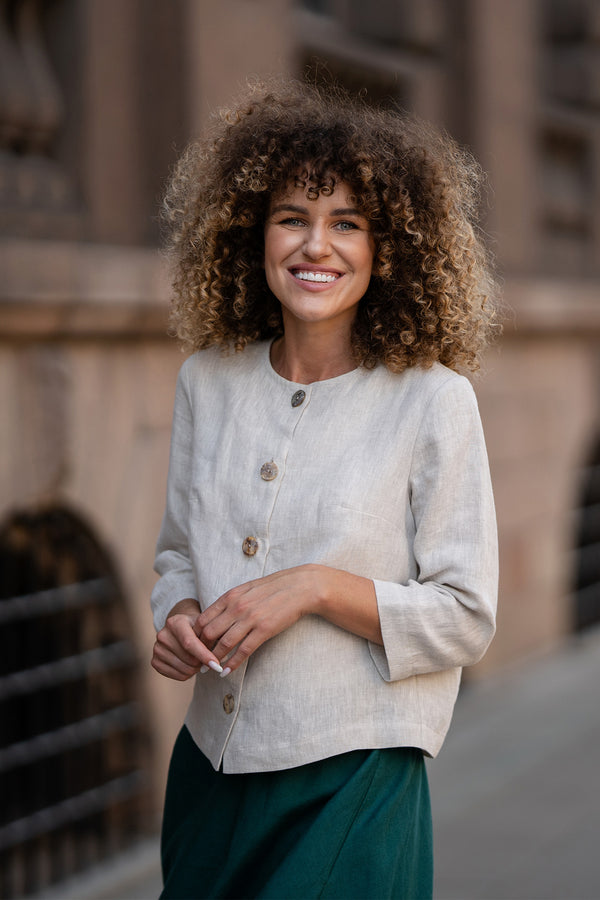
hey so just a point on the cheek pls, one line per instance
(366, 263)
(270, 269)
(272, 250)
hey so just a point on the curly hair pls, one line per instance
(430, 297)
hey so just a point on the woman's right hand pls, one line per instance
(178, 652)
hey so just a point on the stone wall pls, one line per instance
(540, 407)
(87, 378)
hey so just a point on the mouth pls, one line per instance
(316, 276)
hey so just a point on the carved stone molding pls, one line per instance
(36, 193)
(53, 289)
(551, 306)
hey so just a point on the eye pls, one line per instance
(292, 221)
(346, 226)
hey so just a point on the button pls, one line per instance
(298, 398)
(228, 703)
(269, 471)
(250, 546)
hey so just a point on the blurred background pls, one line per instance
(97, 99)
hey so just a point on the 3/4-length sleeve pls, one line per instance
(172, 561)
(445, 617)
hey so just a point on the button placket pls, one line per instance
(269, 471)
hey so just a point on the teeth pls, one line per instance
(314, 276)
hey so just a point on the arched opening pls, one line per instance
(73, 755)
(587, 566)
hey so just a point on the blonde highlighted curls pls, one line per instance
(430, 295)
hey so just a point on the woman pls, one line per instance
(327, 558)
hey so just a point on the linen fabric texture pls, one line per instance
(384, 475)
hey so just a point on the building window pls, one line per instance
(569, 115)
(392, 53)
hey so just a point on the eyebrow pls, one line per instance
(303, 210)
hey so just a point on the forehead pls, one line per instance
(296, 193)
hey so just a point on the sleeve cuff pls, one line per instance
(168, 592)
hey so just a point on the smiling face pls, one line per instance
(318, 257)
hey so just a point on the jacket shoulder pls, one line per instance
(218, 362)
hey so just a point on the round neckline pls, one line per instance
(334, 380)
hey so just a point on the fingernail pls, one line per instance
(203, 670)
(215, 666)
(225, 672)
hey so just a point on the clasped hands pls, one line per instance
(243, 618)
(236, 624)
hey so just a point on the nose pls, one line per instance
(316, 242)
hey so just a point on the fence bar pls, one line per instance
(71, 810)
(69, 737)
(42, 603)
(70, 668)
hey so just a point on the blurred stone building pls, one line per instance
(97, 97)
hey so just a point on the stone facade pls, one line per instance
(97, 98)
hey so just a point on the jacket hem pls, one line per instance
(266, 758)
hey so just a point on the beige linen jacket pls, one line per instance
(382, 475)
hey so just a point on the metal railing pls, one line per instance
(73, 774)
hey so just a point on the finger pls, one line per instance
(241, 653)
(240, 641)
(210, 613)
(228, 643)
(170, 644)
(212, 631)
(166, 657)
(178, 635)
(208, 641)
(221, 614)
(170, 671)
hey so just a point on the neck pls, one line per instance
(305, 359)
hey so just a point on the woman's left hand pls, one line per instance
(248, 615)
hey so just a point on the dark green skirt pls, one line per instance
(356, 825)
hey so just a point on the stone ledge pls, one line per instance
(547, 306)
(55, 289)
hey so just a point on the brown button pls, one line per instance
(228, 703)
(298, 398)
(269, 471)
(250, 546)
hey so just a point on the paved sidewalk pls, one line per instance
(133, 875)
(516, 788)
